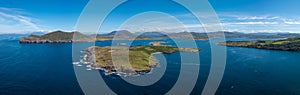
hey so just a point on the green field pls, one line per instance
(140, 57)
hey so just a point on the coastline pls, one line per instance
(141, 58)
(289, 44)
(89, 62)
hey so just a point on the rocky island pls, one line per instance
(140, 57)
(289, 44)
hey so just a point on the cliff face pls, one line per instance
(39, 39)
(32, 39)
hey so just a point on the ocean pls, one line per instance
(47, 69)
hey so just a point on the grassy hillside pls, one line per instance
(140, 57)
(289, 44)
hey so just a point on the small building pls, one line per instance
(122, 44)
(155, 43)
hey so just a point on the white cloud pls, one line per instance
(193, 26)
(258, 18)
(15, 21)
(252, 23)
(229, 21)
(292, 22)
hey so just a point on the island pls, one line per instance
(140, 57)
(288, 44)
(56, 37)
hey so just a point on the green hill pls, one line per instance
(140, 57)
(55, 37)
(289, 44)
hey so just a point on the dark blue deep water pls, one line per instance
(47, 69)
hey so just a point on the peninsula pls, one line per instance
(114, 58)
(55, 37)
(289, 44)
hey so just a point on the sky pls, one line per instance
(25, 16)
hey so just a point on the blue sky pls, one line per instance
(24, 16)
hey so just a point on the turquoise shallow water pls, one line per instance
(46, 69)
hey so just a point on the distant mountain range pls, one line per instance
(122, 34)
(61, 36)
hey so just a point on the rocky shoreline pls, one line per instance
(31, 40)
(140, 57)
(90, 62)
